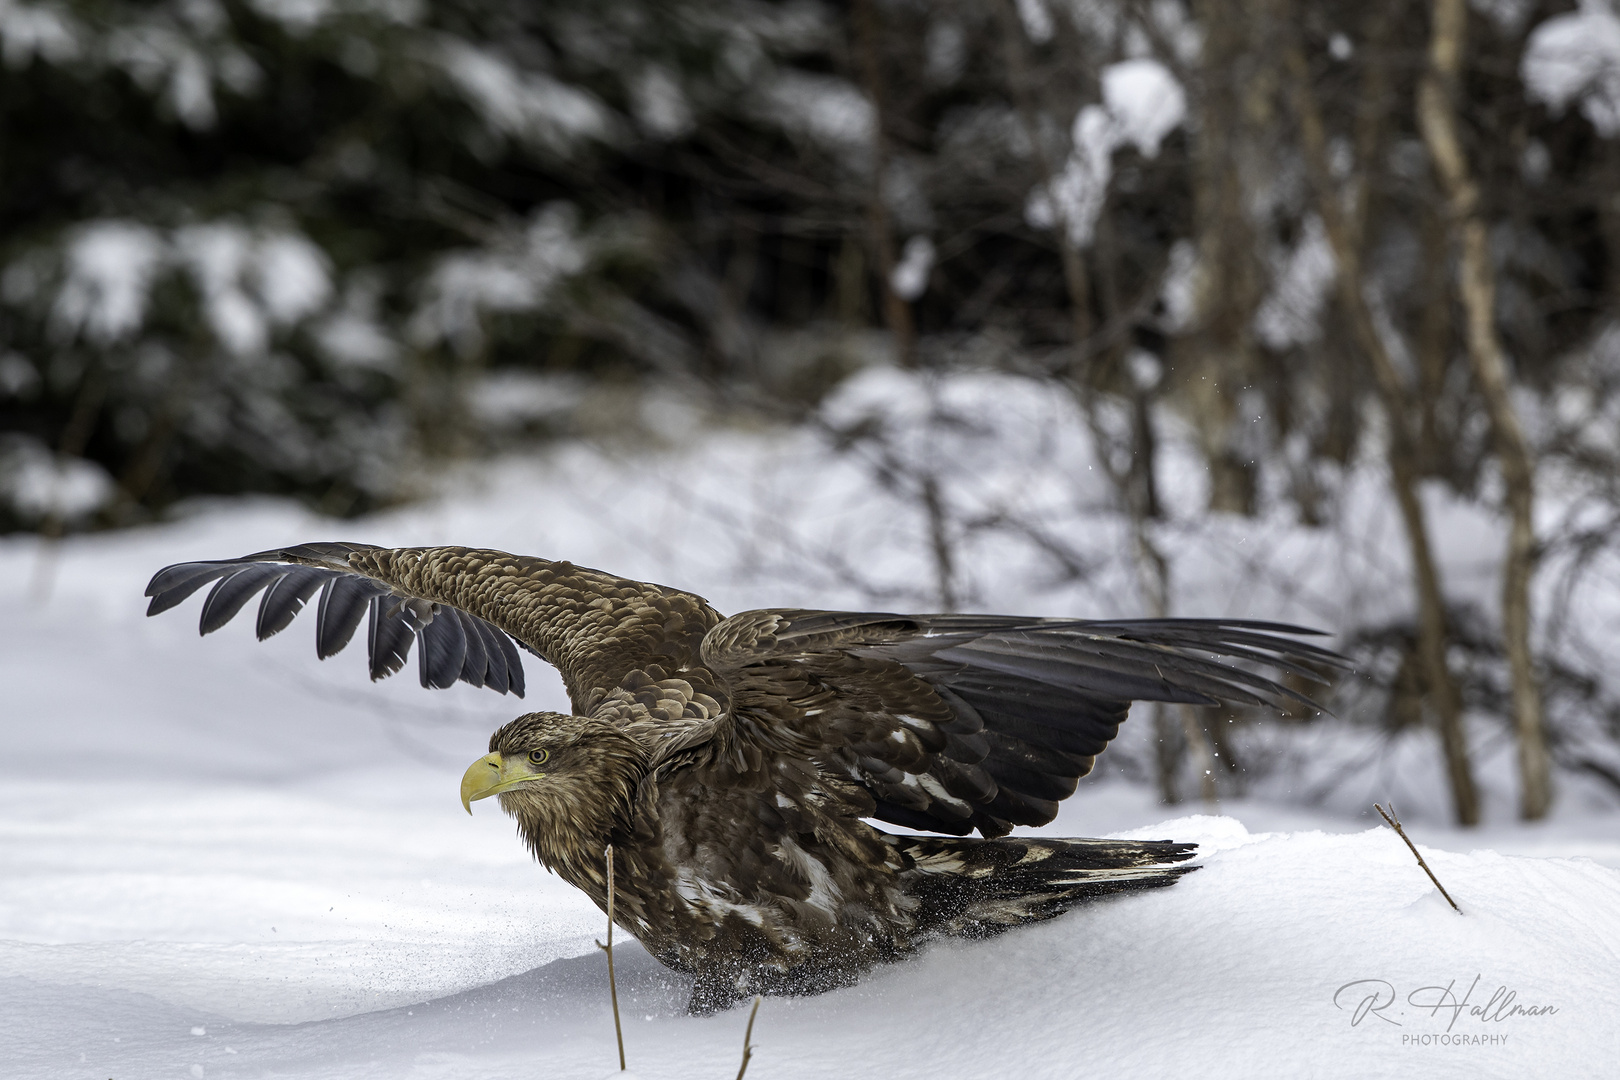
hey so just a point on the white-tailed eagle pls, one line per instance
(733, 762)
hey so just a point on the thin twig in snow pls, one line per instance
(748, 1049)
(613, 986)
(1395, 824)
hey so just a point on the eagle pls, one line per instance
(736, 765)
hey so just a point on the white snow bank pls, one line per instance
(1263, 963)
(221, 858)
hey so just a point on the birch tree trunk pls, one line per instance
(896, 310)
(1437, 118)
(1342, 220)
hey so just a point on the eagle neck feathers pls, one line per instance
(568, 820)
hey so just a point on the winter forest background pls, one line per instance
(1261, 308)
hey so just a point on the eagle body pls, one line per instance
(735, 764)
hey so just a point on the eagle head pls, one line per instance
(568, 780)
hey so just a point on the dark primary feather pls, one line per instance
(453, 644)
(286, 597)
(344, 602)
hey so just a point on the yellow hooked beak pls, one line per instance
(491, 775)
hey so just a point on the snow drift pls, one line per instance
(220, 858)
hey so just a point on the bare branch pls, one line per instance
(1395, 823)
(613, 984)
(748, 1035)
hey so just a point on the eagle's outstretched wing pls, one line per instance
(465, 607)
(944, 722)
(454, 644)
(962, 722)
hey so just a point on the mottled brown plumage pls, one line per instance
(731, 761)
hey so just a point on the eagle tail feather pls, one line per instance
(975, 888)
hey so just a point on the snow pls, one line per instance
(909, 278)
(222, 858)
(530, 105)
(1037, 20)
(18, 377)
(1576, 56)
(293, 276)
(827, 110)
(1145, 101)
(109, 269)
(38, 484)
(1291, 313)
(248, 279)
(353, 335)
(518, 273)
(946, 49)
(1075, 196)
(158, 56)
(302, 16)
(219, 255)
(43, 30)
(1142, 103)
(511, 399)
(660, 105)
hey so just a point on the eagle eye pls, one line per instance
(538, 757)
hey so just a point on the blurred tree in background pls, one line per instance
(315, 247)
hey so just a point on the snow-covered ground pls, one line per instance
(221, 858)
